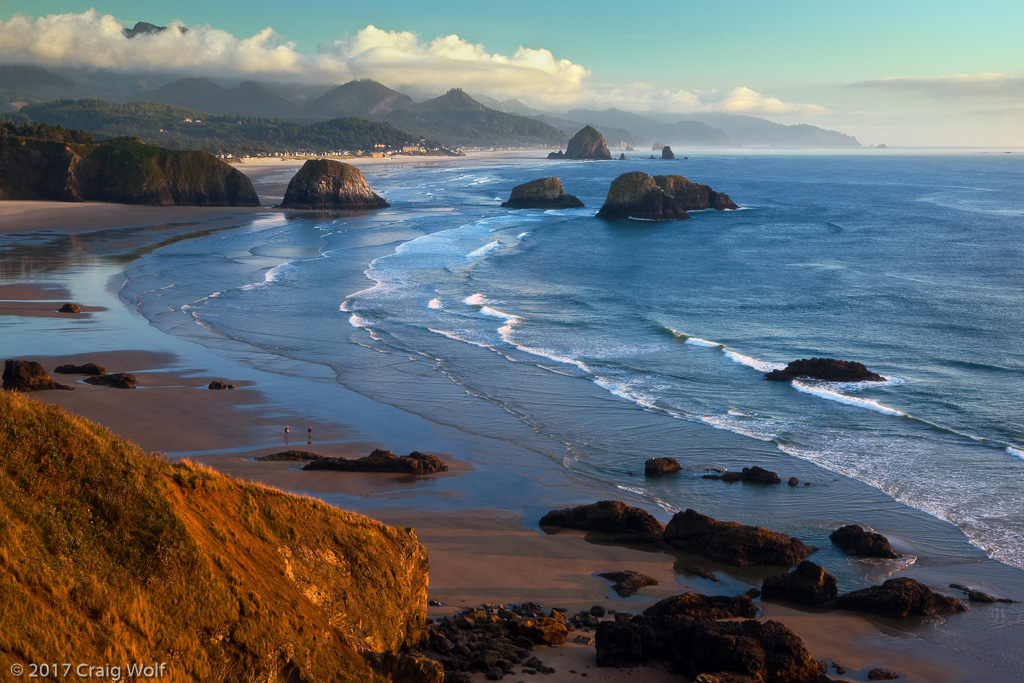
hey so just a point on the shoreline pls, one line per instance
(478, 554)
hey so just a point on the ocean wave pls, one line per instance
(823, 391)
(435, 303)
(697, 341)
(761, 365)
(464, 336)
(477, 253)
(1015, 451)
(521, 235)
(550, 355)
(755, 428)
(272, 275)
(477, 299)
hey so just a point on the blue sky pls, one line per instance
(899, 72)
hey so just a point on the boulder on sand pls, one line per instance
(900, 598)
(381, 460)
(808, 584)
(118, 380)
(610, 517)
(87, 369)
(545, 193)
(28, 375)
(732, 542)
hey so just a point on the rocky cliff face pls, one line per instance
(639, 195)
(124, 170)
(545, 193)
(121, 556)
(587, 144)
(328, 185)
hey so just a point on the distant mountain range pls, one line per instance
(453, 119)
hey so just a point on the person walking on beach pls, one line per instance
(309, 435)
(286, 430)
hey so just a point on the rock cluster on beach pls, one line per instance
(733, 543)
(381, 460)
(588, 143)
(544, 193)
(625, 522)
(826, 369)
(28, 375)
(640, 195)
(329, 185)
(755, 474)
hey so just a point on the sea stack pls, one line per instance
(587, 144)
(667, 153)
(639, 195)
(545, 193)
(328, 185)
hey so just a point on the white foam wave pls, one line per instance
(272, 275)
(754, 428)
(550, 355)
(435, 303)
(495, 313)
(1015, 451)
(697, 341)
(763, 366)
(477, 299)
(623, 390)
(356, 320)
(822, 391)
(477, 253)
(521, 235)
(462, 336)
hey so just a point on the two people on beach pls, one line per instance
(309, 434)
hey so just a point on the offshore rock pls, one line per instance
(666, 153)
(900, 598)
(733, 543)
(545, 193)
(639, 195)
(381, 460)
(855, 540)
(329, 185)
(588, 143)
(622, 156)
(808, 584)
(826, 369)
(28, 375)
(657, 467)
(755, 474)
(628, 523)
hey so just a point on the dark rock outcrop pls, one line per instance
(70, 308)
(882, 675)
(755, 474)
(622, 156)
(827, 369)
(118, 380)
(587, 144)
(657, 467)
(627, 523)
(702, 572)
(329, 185)
(381, 460)
(808, 584)
(975, 595)
(556, 155)
(699, 606)
(900, 598)
(733, 543)
(67, 165)
(666, 153)
(28, 375)
(545, 193)
(287, 456)
(639, 195)
(626, 583)
(759, 651)
(219, 385)
(87, 369)
(855, 540)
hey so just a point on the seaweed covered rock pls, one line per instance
(545, 193)
(381, 460)
(732, 542)
(640, 195)
(588, 143)
(329, 185)
(826, 369)
(28, 375)
(609, 517)
(900, 598)
(855, 540)
(808, 584)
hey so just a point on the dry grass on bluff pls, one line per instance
(109, 555)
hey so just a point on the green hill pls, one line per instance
(362, 99)
(112, 555)
(249, 98)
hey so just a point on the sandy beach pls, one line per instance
(482, 555)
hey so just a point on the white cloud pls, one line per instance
(400, 59)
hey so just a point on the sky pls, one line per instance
(900, 72)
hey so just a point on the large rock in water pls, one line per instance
(28, 375)
(587, 144)
(827, 369)
(639, 195)
(732, 542)
(900, 598)
(329, 185)
(667, 153)
(545, 193)
(855, 540)
(808, 584)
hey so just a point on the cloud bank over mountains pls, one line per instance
(400, 59)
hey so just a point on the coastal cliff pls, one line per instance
(43, 163)
(120, 556)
